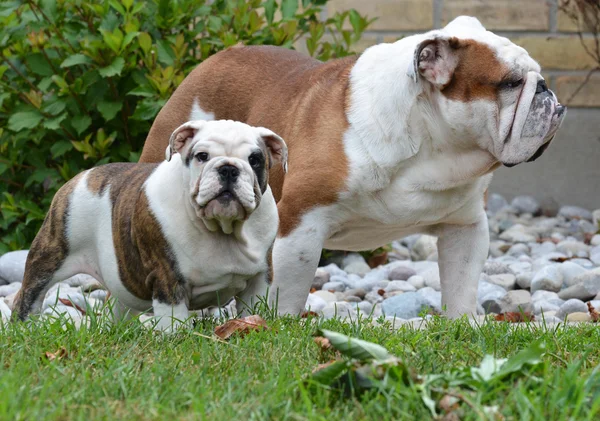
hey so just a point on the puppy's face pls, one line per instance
(226, 167)
(489, 91)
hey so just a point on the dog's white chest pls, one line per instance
(399, 210)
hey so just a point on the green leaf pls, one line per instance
(3, 167)
(39, 65)
(356, 348)
(328, 374)
(60, 147)
(3, 96)
(145, 41)
(45, 83)
(166, 55)
(114, 69)
(357, 22)
(531, 355)
(54, 123)
(75, 59)
(54, 106)
(117, 6)
(24, 120)
(147, 110)
(142, 91)
(113, 39)
(109, 109)
(81, 123)
(489, 367)
(289, 8)
(270, 7)
(128, 38)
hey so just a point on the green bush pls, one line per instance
(81, 81)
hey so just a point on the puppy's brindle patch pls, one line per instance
(48, 251)
(147, 266)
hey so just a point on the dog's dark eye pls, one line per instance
(255, 160)
(510, 84)
(202, 156)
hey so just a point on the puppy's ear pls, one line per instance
(276, 146)
(435, 60)
(181, 137)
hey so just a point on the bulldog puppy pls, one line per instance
(188, 233)
(400, 140)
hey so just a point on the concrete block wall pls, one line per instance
(536, 25)
(569, 172)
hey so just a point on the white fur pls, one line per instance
(295, 259)
(169, 318)
(198, 113)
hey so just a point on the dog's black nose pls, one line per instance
(541, 87)
(228, 173)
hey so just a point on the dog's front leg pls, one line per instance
(462, 251)
(169, 301)
(295, 259)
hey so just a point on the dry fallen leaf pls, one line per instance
(515, 317)
(378, 260)
(69, 303)
(560, 259)
(323, 343)
(58, 355)
(381, 292)
(593, 313)
(307, 314)
(322, 366)
(544, 239)
(240, 326)
(313, 290)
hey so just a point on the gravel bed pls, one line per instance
(539, 262)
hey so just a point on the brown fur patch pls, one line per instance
(48, 250)
(147, 267)
(477, 74)
(301, 99)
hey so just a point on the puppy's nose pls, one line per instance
(541, 87)
(228, 173)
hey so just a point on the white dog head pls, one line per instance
(487, 90)
(226, 167)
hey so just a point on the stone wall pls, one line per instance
(537, 25)
(572, 176)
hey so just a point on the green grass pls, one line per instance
(128, 372)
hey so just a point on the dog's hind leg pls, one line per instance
(46, 265)
(49, 258)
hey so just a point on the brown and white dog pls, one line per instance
(400, 140)
(185, 234)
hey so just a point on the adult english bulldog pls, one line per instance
(191, 232)
(400, 140)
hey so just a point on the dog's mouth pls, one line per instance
(225, 196)
(557, 118)
(540, 150)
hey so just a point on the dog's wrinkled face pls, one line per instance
(488, 91)
(226, 167)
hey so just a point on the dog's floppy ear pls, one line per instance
(181, 137)
(276, 146)
(435, 60)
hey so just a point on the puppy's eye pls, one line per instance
(510, 84)
(254, 161)
(202, 156)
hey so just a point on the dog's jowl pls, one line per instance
(191, 232)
